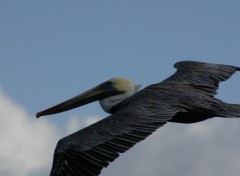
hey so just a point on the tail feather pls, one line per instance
(233, 111)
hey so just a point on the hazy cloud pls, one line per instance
(76, 122)
(25, 143)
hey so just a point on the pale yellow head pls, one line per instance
(126, 86)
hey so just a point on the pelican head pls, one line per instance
(109, 94)
(126, 88)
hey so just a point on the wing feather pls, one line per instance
(203, 76)
(105, 142)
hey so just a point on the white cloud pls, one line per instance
(26, 143)
(76, 122)
(207, 148)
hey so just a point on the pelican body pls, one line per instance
(185, 97)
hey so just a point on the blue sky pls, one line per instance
(53, 50)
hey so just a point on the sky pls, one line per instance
(53, 50)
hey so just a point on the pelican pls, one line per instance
(185, 97)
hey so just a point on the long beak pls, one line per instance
(97, 93)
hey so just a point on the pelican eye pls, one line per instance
(107, 84)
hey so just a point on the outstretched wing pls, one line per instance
(203, 76)
(87, 151)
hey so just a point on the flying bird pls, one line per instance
(185, 97)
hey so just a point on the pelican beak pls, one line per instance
(97, 93)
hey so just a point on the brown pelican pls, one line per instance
(185, 97)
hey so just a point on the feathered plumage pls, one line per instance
(185, 97)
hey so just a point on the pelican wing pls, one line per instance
(203, 76)
(87, 151)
